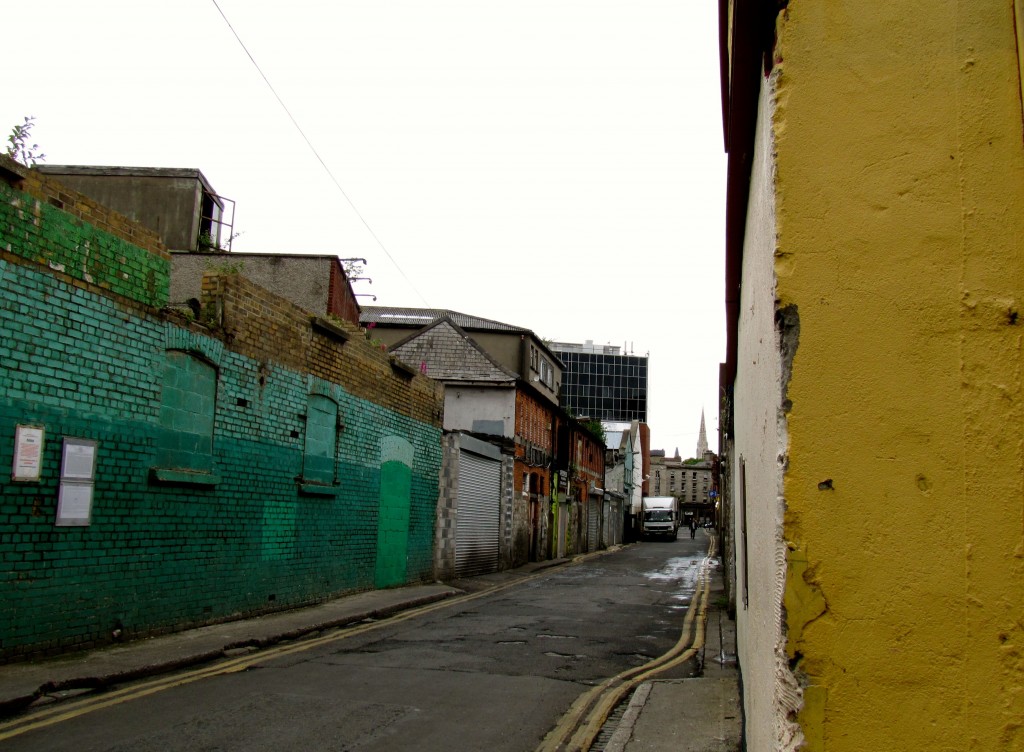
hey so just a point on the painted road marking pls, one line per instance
(580, 725)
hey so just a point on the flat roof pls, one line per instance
(130, 172)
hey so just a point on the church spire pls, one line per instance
(702, 442)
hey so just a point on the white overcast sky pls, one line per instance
(553, 164)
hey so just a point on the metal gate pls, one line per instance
(593, 524)
(478, 515)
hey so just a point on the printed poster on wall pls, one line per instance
(28, 453)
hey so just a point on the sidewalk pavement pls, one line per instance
(701, 714)
(690, 715)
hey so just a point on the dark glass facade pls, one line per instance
(604, 387)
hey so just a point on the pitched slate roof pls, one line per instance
(443, 351)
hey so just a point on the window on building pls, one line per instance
(547, 373)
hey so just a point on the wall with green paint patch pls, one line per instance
(172, 543)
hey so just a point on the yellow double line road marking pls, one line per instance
(581, 724)
(65, 711)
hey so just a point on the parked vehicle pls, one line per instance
(660, 516)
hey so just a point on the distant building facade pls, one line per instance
(515, 349)
(540, 493)
(601, 383)
(692, 481)
(627, 470)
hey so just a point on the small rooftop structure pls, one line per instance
(179, 204)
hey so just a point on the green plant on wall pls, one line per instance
(226, 267)
(18, 146)
(595, 427)
(209, 244)
(353, 267)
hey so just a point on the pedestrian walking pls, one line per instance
(693, 527)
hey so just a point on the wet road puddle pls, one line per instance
(679, 568)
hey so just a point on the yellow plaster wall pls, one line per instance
(900, 216)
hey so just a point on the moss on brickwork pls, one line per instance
(34, 229)
(163, 556)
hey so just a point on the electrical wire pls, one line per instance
(317, 154)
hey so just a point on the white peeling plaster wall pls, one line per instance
(770, 691)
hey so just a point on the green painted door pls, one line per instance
(395, 498)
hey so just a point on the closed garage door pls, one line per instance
(593, 524)
(478, 516)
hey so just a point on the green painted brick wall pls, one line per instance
(161, 557)
(37, 230)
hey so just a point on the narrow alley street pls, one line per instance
(495, 672)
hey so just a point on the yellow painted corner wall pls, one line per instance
(900, 215)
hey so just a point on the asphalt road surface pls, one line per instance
(493, 673)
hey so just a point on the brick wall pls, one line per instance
(84, 354)
(535, 423)
(341, 300)
(50, 224)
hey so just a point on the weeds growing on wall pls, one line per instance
(18, 146)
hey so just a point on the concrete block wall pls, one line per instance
(447, 510)
(84, 357)
(512, 515)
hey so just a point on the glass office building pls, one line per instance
(600, 383)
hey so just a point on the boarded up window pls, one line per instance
(319, 454)
(188, 402)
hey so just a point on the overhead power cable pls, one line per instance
(317, 154)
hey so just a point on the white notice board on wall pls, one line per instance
(74, 505)
(78, 461)
(77, 478)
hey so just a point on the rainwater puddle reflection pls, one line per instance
(679, 568)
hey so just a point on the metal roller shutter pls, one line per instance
(478, 517)
(593, 524)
